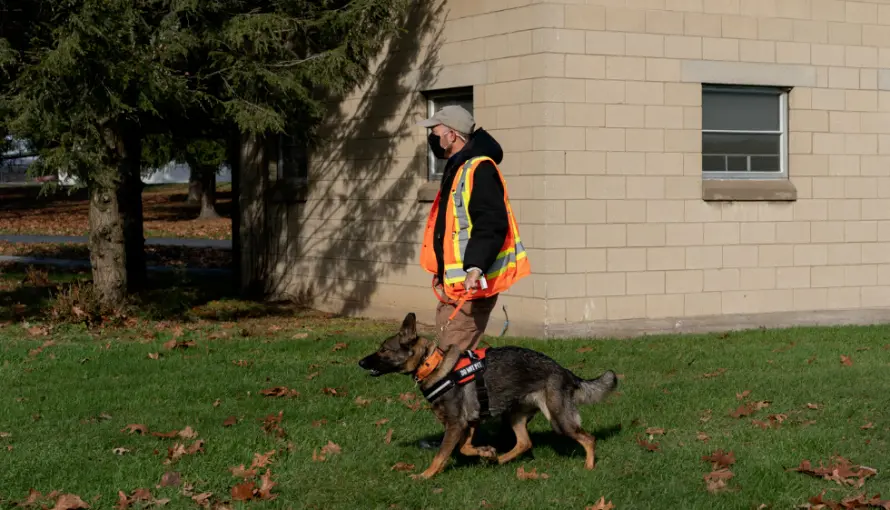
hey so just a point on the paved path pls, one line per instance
(86, 264)
(156, 241)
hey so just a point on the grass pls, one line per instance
(65, 406)
(166, 212)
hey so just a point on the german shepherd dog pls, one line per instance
(519, 382)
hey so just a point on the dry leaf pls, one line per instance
(69, 502)
(813, 406)
(584, 349)
(381, 421)
(402, 466)
(330, 449)
(334, 392)
(202, 499)
(230, 421)
(187, 433)
(388, 438)
(718, 372)
(867, 426)
(243, 491)
(716, 480)
(705, 417)
(601, 505)
(241, 472)
(319, 423)
(339, 346)
(266, 485)
(361, 402)
(652, 447)
(166, 435)
(720, 459)
(136, 428)
(743, 395)
(120, 451)
(262, 460)
(701, 436)
(171, 479)
(655, 431)
(154, 355)
(313, 375)
(840, 470)
(846, 361)
(279, 391)
(522, 474)
(217, 402)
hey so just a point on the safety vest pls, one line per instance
(512, 261)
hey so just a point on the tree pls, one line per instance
(88, 78)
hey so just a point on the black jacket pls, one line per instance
(487, 209)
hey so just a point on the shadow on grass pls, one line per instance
(29, 294)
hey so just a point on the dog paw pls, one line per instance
(487, 452)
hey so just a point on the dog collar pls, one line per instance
(429, 364)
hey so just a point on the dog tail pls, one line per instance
(591, 391)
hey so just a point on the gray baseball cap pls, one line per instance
(453, 116)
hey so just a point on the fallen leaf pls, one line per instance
(197, 446)
(743, 395)
(313, 375)
(171, 479)
(811, 360)
(330, 449)
(243, 491)
(742, 410)
(242, 472)
(840, 470)
(319, 423)
(584, 349)
(120, 451)
(7, 434)
(217, 402)
(202, 499)
(762, 424)
(718, 372)
(361, 402)
(266, 485)
(136, 428)
(652, 447)
(339, 346)
(716, 480)
(166, 435)
(69, 502)
(813, 406)
(262, 460)
(846, 361)
(381, 421)
(720, 459)
(279, 391)
(154, 355)
(706, 416)
(402, 466)
(522, 474)
(601, 505)
(388, 438)
(187, 433)
(867, 426)
(230, 421)
(655, 431)
(334, 392)
(701, 436)
(316, 457)
(438, 490)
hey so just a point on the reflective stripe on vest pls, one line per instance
(454, 273)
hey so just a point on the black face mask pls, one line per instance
(435, 146)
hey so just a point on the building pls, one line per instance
(674, 165)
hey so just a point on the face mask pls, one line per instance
(436, 146)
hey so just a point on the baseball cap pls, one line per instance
(453, 116)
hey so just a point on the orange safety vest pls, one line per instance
(511, 264)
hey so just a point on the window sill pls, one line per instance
(730, 190)
(427, 192)
(295, 191)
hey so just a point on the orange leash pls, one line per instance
(460, 302)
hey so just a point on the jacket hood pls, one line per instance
(481, 144)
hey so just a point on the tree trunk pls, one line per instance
(233, 155)
(130, 204)
(208, 197)
(195, 184)
(107, 255)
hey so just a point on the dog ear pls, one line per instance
(409, 328)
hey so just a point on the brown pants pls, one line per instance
(468, 325)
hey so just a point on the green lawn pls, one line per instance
(65, 406)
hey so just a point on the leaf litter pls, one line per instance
(839, 470)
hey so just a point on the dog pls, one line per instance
(511, 382)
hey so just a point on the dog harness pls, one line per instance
(469, 367)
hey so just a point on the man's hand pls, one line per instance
(472, 280)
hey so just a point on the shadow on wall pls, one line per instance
(362, 223)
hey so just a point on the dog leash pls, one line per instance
(460, 304)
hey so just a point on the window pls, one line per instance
(289, 162)
(744, 132)
(435, 102)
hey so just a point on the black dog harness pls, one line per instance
(469, 367)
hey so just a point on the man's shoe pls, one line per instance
(431, 444)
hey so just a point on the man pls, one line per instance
(484, 236)
(471, 244)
